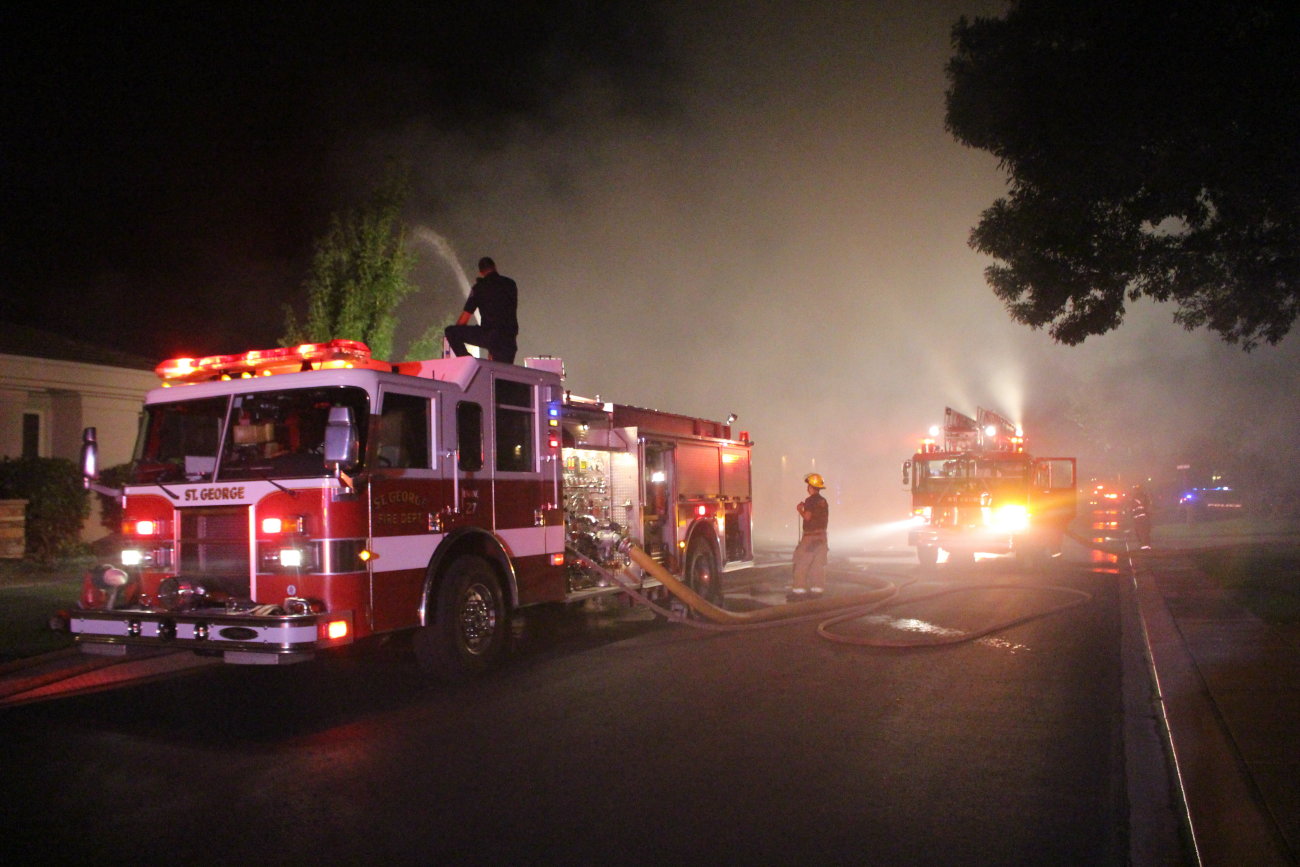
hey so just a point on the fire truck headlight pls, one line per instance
(1011, 519)
(921, 515)
(132, 557)
(291, 558)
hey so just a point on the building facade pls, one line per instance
(51, 388)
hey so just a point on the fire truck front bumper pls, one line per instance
(240, 638)
(985, 541)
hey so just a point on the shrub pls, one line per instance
(57, 505)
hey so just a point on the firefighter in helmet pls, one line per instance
(810, 554)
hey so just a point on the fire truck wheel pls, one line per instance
(927, 556)
(702, 574)
(471, 627)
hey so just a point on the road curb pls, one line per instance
(1158, 826)
(1228, 823)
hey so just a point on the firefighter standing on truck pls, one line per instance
(496, 297)
(810, 553)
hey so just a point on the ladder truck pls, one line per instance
(975, 489)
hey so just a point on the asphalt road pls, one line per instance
(615, 738)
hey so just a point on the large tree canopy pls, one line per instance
(1152, 150)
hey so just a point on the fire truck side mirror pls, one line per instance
(89, 457)
(907, 472)
(340, 438)
(90, 465)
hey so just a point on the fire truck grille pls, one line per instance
(214, 547)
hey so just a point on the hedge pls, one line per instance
(57, 504)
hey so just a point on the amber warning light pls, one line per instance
(265, 362)
(333, 630)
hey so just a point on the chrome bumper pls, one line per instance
(243, 638)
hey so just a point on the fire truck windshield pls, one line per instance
(268, 434)
(282, 433)
(178, 441)
(938, 471)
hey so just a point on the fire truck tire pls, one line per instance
(471, 627)
(702, 573)
(927, 556)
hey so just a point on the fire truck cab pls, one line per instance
(286, 501)
(976, 490)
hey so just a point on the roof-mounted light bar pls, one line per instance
(333, 354)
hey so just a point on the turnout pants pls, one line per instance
(810, 562)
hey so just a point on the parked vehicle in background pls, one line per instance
(1210, 503)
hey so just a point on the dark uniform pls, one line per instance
(496, 298)
(1139, 511)
(810, 554)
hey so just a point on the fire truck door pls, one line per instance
(465, 466)
(1055, 489)
(407, 494)
(658, 480)
(523, 507)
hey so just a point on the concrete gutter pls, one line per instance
(1230, 819)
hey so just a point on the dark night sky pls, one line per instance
(171, 165)
(745, 205)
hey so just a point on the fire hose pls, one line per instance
(719, 619)
(841, 608)
(1093, 545)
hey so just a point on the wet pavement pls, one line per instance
(1228, 685)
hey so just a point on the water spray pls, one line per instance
(448, 254)
(444, 249)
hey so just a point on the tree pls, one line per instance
(1151, 151)
(360, 273)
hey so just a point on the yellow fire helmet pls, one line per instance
(815, 479)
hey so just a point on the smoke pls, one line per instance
(746, 207)
(790, 243)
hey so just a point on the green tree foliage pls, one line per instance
(1152, 151)
(359, 275)
(57, 504)
(429, 344)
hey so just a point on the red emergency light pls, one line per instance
(338, 353)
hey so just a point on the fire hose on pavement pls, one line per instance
(1093, 545)
(841, 608)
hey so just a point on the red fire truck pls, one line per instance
(289, 500)
(976, 490)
